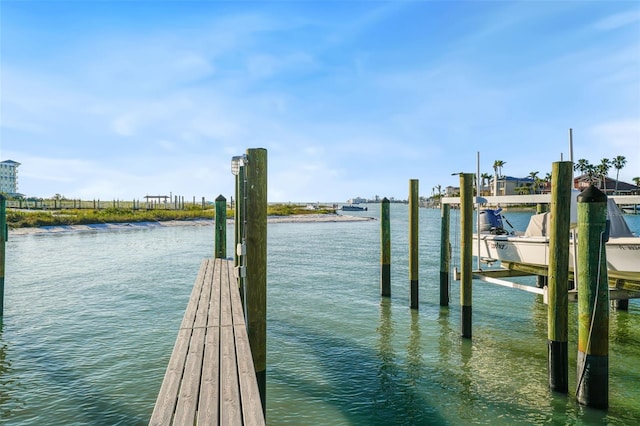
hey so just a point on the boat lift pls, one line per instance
(622, 286)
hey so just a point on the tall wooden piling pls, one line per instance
(385, 249)
(445, 254)
(221, 228)
(466, 253)
(593, 300)
(414, 214)
(256, 279)
(3, 239)
(558, 279)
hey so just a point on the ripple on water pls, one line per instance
(91, 320)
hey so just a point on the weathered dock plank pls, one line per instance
(210, 378)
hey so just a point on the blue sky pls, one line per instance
(120, 99)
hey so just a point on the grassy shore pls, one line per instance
(37, 218)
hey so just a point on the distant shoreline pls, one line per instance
(102, 227)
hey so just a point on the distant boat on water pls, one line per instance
(352, 208)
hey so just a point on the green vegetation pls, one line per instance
(36, 218)
(23, 219)
(291, 209)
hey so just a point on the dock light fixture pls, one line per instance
(237, 162)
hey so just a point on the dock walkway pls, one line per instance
(210, 378)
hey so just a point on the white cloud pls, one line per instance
(123, 125)
(165, 109)
(618, 20)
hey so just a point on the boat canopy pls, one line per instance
(539, 223)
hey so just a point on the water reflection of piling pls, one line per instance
(415, 364)
(414, 368)
(388, 368)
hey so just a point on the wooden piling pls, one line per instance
(466, 253)
(558, 280)
(413, 241)
(593, 301)
(445, 254)
(256, 280)
(3, 239)
(385, 249)
(221, 228)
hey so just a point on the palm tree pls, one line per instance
(618, 162)
(546, 180)
(536, 183)
(486, 178)
(603, 171)
(582, 166)
(497, 168)
(591, 172)
(636, 180)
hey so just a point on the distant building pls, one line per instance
(357, 200)
(452, 191)
(507, 185)
(9, 177)
(608, 186)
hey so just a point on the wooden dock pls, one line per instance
(211, 378)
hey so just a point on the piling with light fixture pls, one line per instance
(256, 273)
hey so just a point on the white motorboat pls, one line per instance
(532, 246)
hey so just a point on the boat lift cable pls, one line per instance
(508, 223)
(243, 258)
(595, 304)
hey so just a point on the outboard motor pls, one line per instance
(491, 221)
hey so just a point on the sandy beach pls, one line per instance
(101, 227)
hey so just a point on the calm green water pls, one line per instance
(91, 318)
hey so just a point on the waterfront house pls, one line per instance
(9, 178)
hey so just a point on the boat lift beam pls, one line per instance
(621, 286)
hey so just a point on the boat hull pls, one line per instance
(623, 254)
